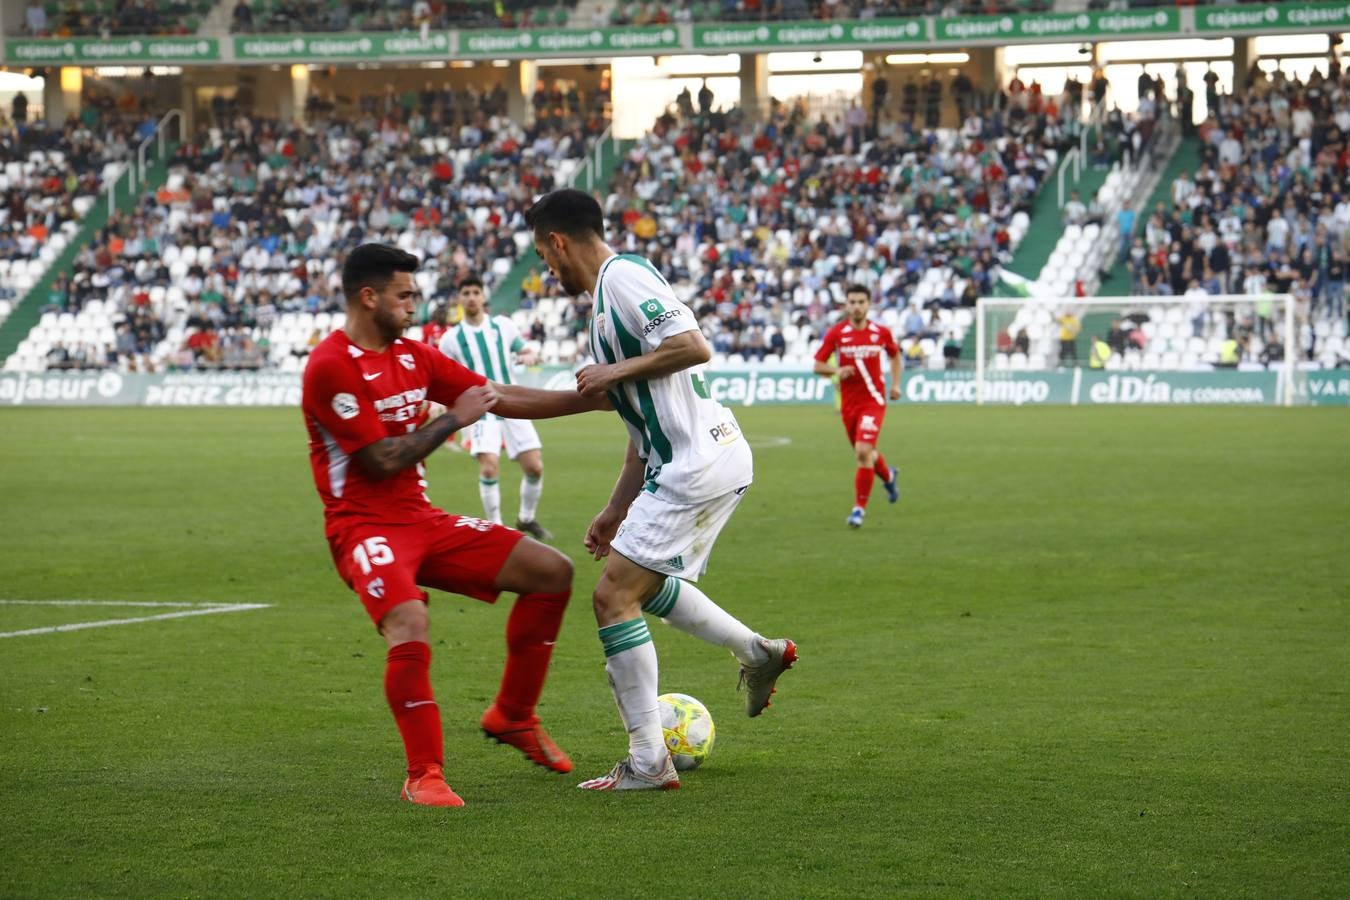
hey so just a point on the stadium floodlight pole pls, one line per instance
(1124, 304)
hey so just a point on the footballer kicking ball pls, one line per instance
(688, 729)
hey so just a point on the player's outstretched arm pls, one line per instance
(517, 402)
(675, 354)
(391, 455)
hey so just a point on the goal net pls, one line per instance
(1087, 338)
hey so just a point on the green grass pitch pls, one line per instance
(1090, 653)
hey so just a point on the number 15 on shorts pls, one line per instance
(373, 551)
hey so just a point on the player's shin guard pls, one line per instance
(531, 632)
(690, 610)
(862, 486)
(630, 663)
(883, 471)
(407, 688)
(530, 489)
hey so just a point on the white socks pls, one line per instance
(530, 489)
(630, 663)
(684, 606)
(491, 493)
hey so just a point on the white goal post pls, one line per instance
(1174, 334)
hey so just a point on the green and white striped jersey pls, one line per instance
(692, 444)
(486, 349)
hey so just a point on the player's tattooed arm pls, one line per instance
(391, 455)
(675, 354)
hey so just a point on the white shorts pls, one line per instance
(488, 433)
(674, 538)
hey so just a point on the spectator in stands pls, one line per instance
(881, 88)
(1075, 211)
(913, 324)
(35, 18)
(1069, 327)
(241, 19)
(1100, 353)
(1003, 342)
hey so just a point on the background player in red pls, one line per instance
(860, 344)
(366, 392)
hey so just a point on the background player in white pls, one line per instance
(488, 344)
(686, 468)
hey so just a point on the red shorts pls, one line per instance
(863, 422)
(385, 563)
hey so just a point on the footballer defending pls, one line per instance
(365, 395)
(686, 467)
(860, 344)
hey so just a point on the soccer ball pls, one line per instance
(688, 729)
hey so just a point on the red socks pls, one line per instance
(862, 487)
(883, 471)
(407, 687)
(531, 632)
(862, 480)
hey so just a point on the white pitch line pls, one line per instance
(771, 441)
(103, 623)
(179, 604)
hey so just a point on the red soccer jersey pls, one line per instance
(861, 348)
(353, 398)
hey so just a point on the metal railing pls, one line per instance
(135, 172)
(594, 160)
(1073, 158)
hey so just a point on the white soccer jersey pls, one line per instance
(486, 349)
(692, 444)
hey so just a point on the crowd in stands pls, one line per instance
(367, 15)
(79, 18)
(251, 228)
(50, 176)
(1267, 211)
(763, 224)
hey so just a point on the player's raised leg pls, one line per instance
(682, 605)
(630, 663)
(543, 578)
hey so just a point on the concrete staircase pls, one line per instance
(28, 311)
(1116, 282)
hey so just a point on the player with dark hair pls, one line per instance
(860, 344)
(488, 345)
(686, 469)
(366, 390)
